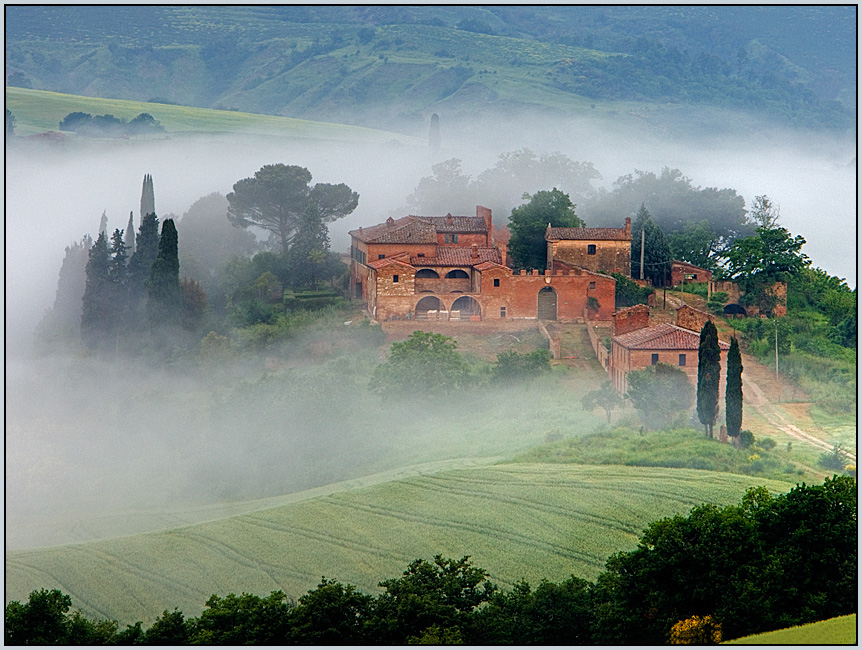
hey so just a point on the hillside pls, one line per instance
(840, 630)
(393, 66)
(516, 520)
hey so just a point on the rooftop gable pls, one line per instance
(587, 234)
(663, 336)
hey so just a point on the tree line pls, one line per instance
(767, 563)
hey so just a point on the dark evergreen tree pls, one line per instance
(733, 392)
(148, 198)
(103, 224)
(165, 304)
(308, 251)
(434, 134)
(708, 376)
(96, 304)
(130, 234)
(72, 282)
(657, 256)
(146, 251)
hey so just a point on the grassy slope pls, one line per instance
(516, 520)
(37, 111)
(839, 630)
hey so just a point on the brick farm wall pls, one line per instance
(631, 319)
(610, 255)
(691, 318)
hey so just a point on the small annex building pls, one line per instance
(681, 272)
(595, 249)
(452, 268)
(639, 345)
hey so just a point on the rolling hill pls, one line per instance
(840, 630)
(390, 67)
(518, 521)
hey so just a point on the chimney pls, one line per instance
(485, 213)
(628, 227)
(474, 251)
(390, 221)
(449, 219)
(502, 248)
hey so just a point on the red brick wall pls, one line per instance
(678, 269)
(465, 240)
(443, 285)
(623, 361)
(388, 250)
(630, 319)
(691, 318)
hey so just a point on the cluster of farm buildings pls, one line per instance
(457, 268)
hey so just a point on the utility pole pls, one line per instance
(776, 350)
(642, 253)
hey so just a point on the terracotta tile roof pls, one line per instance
(613, 234)
(484, 266)
(689, 265)
(663, 336)
(457, 224)
(387, 261)
(406, 230)
(458, 256)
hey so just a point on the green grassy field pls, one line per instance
(515, 520)
(37, 111)
(835, 631)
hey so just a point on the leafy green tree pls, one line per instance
(423, 364)
(697, 243)
(657, 256)
(278, 196)
(659, 393)
(331, 614)
(673, 202)
(144, 123)
(733, 392)
(96, 305)
(242, 620)
(764, 212)
(171, 628)
(772, 255)
(73, 121)
(529, 222)
(606, 397)
(628, 293)
(164, 304)
(513, 365)
(708, 376)
(42, 620)
(441, 594)
(194, 304)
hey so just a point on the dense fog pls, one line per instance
(86, 437)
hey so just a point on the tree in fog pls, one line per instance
(164, 304)
(72, 282)
(277, 197)
(146, 251)
(708, 376)
(447, 190)
(657, 256)
(697, 243)
(421, 365)
(10, 123)
(733, 392)
(96, 306)
(528, 223)
(605, 397)
(433, 134)
(148, 198)
(310, 259)
(660, 394)
(764, 212)
(103, 224)
(130, 234)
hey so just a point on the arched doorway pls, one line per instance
(466, 306)
(735, 310)
(427, 273)
(547, 304)
(428, 304)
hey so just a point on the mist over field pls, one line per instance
(86, 437)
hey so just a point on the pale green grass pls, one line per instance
(37, 111)
(840, 630)
(518, 521)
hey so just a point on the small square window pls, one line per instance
(654, 359)
(591, 249)
(380, 257)
(421, 255)
(502, 312)
(682, 359)
(496, 282)
(394, 278)
(592, 285)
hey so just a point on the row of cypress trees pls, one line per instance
(124, 293)
(708, 380)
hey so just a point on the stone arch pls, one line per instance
(457, 273)
(735, 309)
(467, 306)
(427, 273)
(546, 303)
(426, 304)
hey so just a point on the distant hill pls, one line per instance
(840, 630)
(390, 67)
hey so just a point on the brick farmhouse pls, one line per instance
(454, 268)
(636, 344)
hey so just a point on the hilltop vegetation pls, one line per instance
(381, 66)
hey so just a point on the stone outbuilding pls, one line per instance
(595, 249)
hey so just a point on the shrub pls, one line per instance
(746, 439)
(697, 630)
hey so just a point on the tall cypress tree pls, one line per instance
(130, 234)
(708, 376)
(165, 304)
(733, 392)
(72, 282)
(146, 251)
(148, 198)
(96, 303)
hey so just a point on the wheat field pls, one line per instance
(518, 521)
